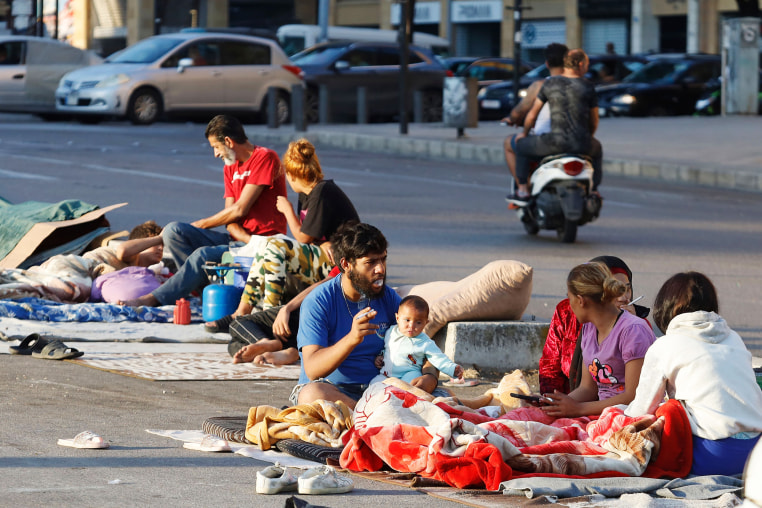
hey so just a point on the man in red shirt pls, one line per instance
(253, 181)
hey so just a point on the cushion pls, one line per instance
(126, 284)
(499, 291)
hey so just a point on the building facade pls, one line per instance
(474, 27)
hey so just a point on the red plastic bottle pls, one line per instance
(182, 314)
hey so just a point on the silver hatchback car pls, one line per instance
(182, 72)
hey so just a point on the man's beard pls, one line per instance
(228, 156)
(364, 286)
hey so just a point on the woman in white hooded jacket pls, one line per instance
(705, 365)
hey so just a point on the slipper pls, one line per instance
(31, 344)
(209, 444)
(86, 439)
(308, 451)
(222, 325)
(57, 350)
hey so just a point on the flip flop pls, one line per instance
(86, 439)
(57, 350)
(461, 382)
(209, 444)
(31, 344)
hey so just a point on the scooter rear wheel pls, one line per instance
(531, 227)
(568, 233)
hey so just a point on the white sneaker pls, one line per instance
(274, 479)
(324, 480)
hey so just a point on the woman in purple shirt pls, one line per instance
(614, 344)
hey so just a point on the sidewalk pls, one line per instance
(708, 151)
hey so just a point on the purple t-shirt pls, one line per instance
(629, 340)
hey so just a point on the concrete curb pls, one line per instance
(466, 151)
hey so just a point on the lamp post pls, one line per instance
(517, 8)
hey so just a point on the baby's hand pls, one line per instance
(459, 372)
(379, 361)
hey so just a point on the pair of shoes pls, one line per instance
(31, 344)
(57, 350)
(222, 325)
(209, 443)
(316, 480)
(86, 439)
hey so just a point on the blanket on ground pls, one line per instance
(465, 449)
(63, 278)
(45, 310)
(321, 422)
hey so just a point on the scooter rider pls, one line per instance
(574, 119)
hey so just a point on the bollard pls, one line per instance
(298, 116)
(323, 110)
(362, 104)
(272, 113)
(418, 106)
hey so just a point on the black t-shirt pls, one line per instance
(326, 208)
(570, 101)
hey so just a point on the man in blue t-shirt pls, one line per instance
(342, 322)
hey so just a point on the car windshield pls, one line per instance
(320, 55)
(662, 71)
(146, 51)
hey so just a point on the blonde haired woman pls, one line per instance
(322, 207)
(614, 343)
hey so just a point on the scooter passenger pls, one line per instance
(573, 121)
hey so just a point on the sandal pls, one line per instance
(57, 350)
(31, 344)
(86, 439)
(222, 325)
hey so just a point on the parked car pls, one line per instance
(668, 85)
(183, 72)
(31, 69)
(493, 70)
(455, 64)
(344, 66)
(496, 101)
(710, 103)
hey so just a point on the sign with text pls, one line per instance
(426, 13)
(478, 11)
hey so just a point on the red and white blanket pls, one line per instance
(395, 428)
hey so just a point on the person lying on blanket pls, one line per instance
(342, 322)
(705, 365)
(614, 343)
(68, 278)
(407, 347)
(561, 360)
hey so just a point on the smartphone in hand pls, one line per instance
(534, 399)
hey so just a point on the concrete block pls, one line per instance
(451, 150)
(482, 153)
(631, 168)
(421, 147)
(436, 149)
(497, 155)
(494, 346)
(746, 181)
(707, 177)
(466, 152)
(613, 166)
(725, 180)
(669, 172)
(650, 170)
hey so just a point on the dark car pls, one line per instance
(343, 67)
(488, 71)
(496, 101)
(666, 86)
(455, 64)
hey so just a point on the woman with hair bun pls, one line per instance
(705, 365)
(614, 343)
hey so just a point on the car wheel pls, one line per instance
(282, 108)
(144, 107)
(312, 106)
(432, 106)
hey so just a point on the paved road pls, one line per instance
(444, 219)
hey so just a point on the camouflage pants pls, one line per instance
(274, 262)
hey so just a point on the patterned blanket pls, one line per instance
(46, 310)
(471, 449)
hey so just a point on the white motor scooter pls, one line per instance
(561, 197)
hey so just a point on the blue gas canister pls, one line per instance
(220, 300)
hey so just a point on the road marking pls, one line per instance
(25, 176)
(158, 176)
